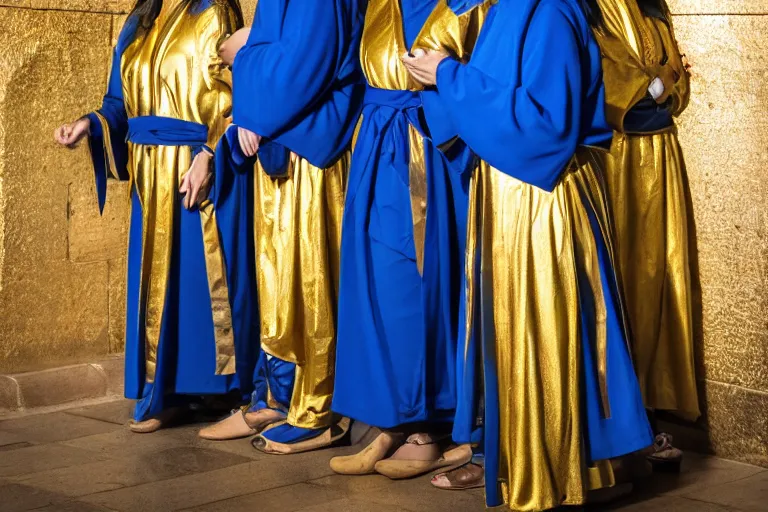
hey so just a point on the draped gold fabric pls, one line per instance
(647, 192)
(297, 229)
(173, 70)
(383, 45)
(532, 246)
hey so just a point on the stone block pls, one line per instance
(114, 373)
(10, 396)
(94, 237)
(53, 315)
(60, 385)
(117, 275)
(724, 135)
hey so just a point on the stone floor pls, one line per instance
(84, 460)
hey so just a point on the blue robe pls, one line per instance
(398, 327)
(186, 354)
(531, 94)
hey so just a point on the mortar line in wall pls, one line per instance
(744, 388)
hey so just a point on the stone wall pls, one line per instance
(62, 266)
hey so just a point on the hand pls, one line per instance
(232, 45)
(71, 134)
(195, 185)
(249, 141)
(423, 65)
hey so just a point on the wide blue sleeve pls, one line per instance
(109, 125)
(288, 63)
(528, 127)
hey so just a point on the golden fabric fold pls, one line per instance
(297, 228)
(532, 247)
(645, 177)
(417, 181)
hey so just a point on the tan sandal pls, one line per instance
(401, 468)
(331, 435)
(466, 476)
(241, 424)
(162, 420)
(364, 462)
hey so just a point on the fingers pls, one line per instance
(249, 142)
(243, 140)
(184, 189)
(192, 198)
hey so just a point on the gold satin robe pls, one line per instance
(646, 180)
(532, 243)
(173, 70)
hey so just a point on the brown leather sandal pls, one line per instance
(466, 476)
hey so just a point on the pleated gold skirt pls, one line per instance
(297, 228)
(532, 244)
(646, 190)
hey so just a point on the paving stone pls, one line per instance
(123, 443)
(72, 506)
(16, 498)
(202, 488)
(117, 412)
(699, 472)
(58, 426)
(10, 441)
(357, 505)
(354, 484)
(749, 493)
(284, 499)
(663, 503)
(43, 458)
(130, 471)
(418, 495)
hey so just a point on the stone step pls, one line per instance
(57, 386)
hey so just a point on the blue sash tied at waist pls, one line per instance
(647, 116)
(167, 131)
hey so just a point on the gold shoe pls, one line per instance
(241, 424)
(364, 462)
(398, 469)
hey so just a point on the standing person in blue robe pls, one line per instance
(297, 99)
(544, 315)
(403, 247)
(190, 290)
